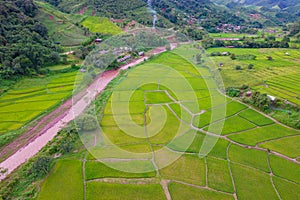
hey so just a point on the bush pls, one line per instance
(246, 57)
(216, 53)
(250, 66)
(233, 92)
(238, 67)
(87, 122)
(41, 166)
(232, 56)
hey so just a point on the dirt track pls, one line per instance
(31, 142)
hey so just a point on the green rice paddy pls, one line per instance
(33, 97)
(248, 161)
(278, 77)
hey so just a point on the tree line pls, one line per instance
(25, 47)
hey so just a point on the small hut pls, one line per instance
(98, 40)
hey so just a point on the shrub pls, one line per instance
(246, 57)
(233, 92)
(41, 166)
(238, 67)
(232, 56)
(250, 66)
(215, 53)
(87, 123)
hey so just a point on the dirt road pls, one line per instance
(48, 132)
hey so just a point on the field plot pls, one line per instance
(62, 27)
(32, 97)
(101, 25)
(65, 181)
(98, 190)
(153, 129)
(278, 77)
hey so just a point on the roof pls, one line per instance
(272, 98)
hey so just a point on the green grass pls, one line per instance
(256, 117)
(181, 112)
(249, 157)
(252, 137)
(231, 125)
(219, 150)
(132, 151)
(96, 170)
(117, 136)
(184, 192)
(234, 107)
(285, 169)
(157, 97)
(96, 190)
(101, 25)
(168, 132)
(190, 141)
(252, 184)
(187, 168)
(30, 98)
(64, 182)
(286, 189)
(219, 175)
(288, 146)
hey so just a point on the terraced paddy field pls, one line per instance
(33, 97)
(62, 27)
(101, 25)
(278, 77)
(160, 138)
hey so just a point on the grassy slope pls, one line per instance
(62, 27)
(101, 25)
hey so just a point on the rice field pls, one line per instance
(33, 97)
(153, 133)
(62, 27)
(278, 77)
(101, 25)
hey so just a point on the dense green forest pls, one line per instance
(25, 47)
(108, 8)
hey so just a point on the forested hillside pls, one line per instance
(24, 42)
(279, 10)
(209, 14)
(108, 8)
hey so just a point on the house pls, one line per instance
(141, 53)
(124, 58)
(249, 93)
(225, 53)
(272, 98)
(98, 40)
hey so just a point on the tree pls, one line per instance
(41, 166)
(198, 58)
(270, 58)
(87, 122)
(233, 92)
